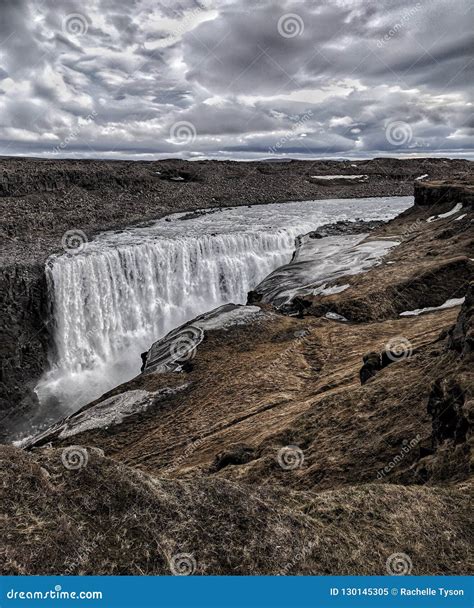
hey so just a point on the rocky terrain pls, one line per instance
(329, 436)
(42, 201)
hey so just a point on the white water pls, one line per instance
(126, 289)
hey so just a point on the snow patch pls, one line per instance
(419, 311)
(114, 410)
(453, 211)
(110, 412)
(421, 177)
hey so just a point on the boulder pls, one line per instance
(372, 363)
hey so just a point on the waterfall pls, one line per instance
(103, 304)
(126, 289)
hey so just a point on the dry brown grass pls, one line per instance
(107, 518)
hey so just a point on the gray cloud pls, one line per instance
(246, 77)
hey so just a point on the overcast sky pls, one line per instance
(236, 78)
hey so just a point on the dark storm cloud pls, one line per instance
(239, 78)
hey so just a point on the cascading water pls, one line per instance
(126, 289)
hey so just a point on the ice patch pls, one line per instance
(110, 412)
(320, 262)
(179, 345)
(419, 311)
(453, 211)
(229, 315)
(335, 317)
(329, 291)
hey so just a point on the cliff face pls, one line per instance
(265, 419)
(435, 193)
(23, 335)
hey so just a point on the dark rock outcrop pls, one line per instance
(344, 227)
(237, 455)
(461, 336)
(434, 194)
(445, 406)
(452, 442)
(372, 364)
(23, 336)
(451, 408)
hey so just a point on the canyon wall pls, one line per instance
(431, 194)
(24, 334)
(41, 199)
